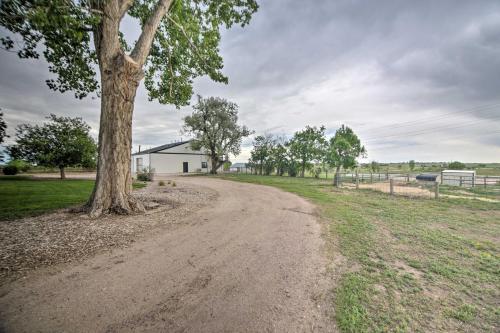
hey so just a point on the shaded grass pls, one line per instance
(413, 265)
(22, 196)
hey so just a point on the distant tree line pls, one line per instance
(307, 150)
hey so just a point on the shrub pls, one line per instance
(146, 175)
(161, 183)
(10, 170)
(174, 184)
(20, 165)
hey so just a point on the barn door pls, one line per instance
(185, 167)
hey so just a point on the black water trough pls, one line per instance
(427, 177)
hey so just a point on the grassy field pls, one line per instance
(407, 265)
(25, 196)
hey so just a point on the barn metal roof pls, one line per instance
(160, 148)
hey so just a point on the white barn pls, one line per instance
(171, 158)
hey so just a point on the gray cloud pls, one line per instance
(369, 64)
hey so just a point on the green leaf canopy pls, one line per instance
(61, 142)
(185, 46)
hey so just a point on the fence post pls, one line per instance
(460, 181)
(441, 177)
(484, 180)
(391, 183)
(407, 177)
(371, 177)
(436, 190)
(357, 180)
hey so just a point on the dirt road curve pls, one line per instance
(249, 262)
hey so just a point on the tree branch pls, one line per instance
(191, 44)
(124, 6)
(143, 45)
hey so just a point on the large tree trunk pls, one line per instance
(303, 169)
(113, 187)
(62, 173)
(120, 77)
(215, 164)
(336, 177)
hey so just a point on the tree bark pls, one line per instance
(112, 192)
(120, 77)
(213, 166)
(303, 169)
(336, 180)
(62, 173)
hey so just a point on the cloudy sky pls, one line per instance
(415, 79)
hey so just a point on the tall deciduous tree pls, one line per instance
(308, 145)
(343, 150)
(261, 154)
(61, 142)
(178, 42)
(214, 124)
(279, 156)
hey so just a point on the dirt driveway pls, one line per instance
(251, 261)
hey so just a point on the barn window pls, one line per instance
(204, 165)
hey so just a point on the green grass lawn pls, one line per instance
(25, 196)
(408, 265)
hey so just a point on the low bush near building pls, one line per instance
(161, 183)
(10, 170)
(146, 175)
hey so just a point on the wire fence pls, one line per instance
(471, 187)
(400, 185)
(413, 185)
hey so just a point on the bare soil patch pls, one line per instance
(398, 189)
(30, 243)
